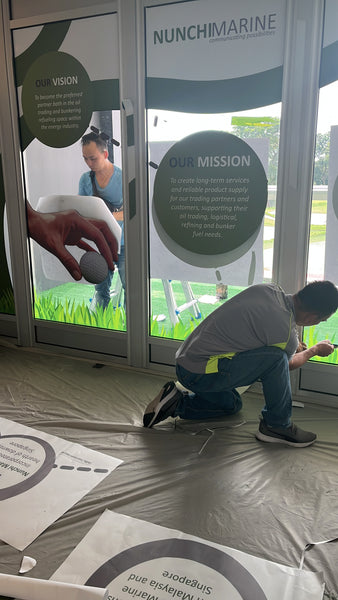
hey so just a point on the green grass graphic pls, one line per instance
(70, 304)
(49, 308)
(180, 331)
(312, 335)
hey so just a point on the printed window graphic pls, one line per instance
(212, 154)
(70, 124)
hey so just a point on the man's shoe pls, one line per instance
(163, 406)
(291, 436)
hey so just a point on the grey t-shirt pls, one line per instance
(261, 315)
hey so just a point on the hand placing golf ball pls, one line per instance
(93, 267)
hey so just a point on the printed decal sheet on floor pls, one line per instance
(41, 477)
(133, 558)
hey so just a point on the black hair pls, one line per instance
(319, 297)
(100, 141)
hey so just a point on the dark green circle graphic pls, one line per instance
(56, 99)
(210, 195)
(33, 475)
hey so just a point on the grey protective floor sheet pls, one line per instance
(212, 479)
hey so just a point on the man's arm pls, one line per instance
(323, 348)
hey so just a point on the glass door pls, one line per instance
(212, 155)
(321, 373)
(70, 133)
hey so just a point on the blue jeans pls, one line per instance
(214, 395)
(102, 290)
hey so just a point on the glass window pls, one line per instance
(68, 96)
(322, 255)
(213, 122)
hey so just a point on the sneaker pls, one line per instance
(163, 406)
(291, 436)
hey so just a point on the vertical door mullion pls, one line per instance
(297, 143)
(15, 206)
(130, 39)
(298, 136)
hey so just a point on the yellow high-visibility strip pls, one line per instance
(282, 345)
(212, 364)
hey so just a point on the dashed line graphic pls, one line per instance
(86, 469)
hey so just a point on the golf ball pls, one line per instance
(93, 267)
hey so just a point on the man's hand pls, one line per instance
(323, 348)
(53, 231)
